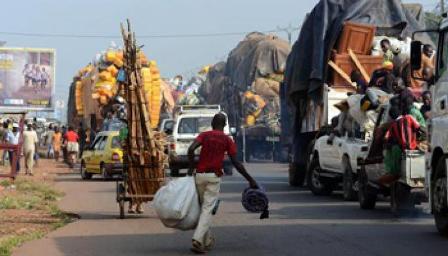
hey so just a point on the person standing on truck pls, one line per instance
(215, 144)
(400, 136)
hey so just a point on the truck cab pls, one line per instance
(437, 155)
(189, 122)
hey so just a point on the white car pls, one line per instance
(189, 122)
(333, 163)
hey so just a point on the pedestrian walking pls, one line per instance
(12, 138)
(30, 142)
(49, 141)
(38, 131)
(82, 139)
(57, 143)
(3, 133)
(208, 174)
(90, 137)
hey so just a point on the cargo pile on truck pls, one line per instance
(320, 73)
(95, 90)
(247, 87)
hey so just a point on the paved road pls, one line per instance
(300, 224)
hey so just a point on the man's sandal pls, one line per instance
(198, 248)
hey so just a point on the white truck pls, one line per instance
(437, 155)
(189, 121)
(334, 161)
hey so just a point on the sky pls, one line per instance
(148, 17)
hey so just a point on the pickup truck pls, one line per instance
(334, 162)
(404, 193)
(189, 121)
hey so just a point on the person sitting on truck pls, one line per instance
(387, 51)
(341, 124)
(383, 77)
(361, 84)
(400, 136)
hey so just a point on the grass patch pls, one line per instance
(9, 243)
(31, 195)
(5, 183)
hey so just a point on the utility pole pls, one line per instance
(289, 30)
(442, 6)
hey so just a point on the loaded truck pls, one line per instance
(437, 155)
(95, 94)
(247, 87)
(336, 39)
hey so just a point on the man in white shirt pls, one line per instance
(30, 142)
(13, 138)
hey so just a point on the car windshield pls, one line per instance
(195, 124)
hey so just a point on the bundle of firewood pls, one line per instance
(144, 149)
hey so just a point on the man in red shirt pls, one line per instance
(71, 138)
(214, 144)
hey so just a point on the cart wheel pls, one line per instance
(121, 205)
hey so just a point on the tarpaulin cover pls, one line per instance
(212, 89)
(307, 67)
(258, 55)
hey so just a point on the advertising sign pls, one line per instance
(27, 79)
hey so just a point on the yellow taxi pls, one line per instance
(103, 157)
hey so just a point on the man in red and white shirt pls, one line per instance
(214, 144)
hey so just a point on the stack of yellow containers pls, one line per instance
(156, 95)
(147, 83)
(78, 98)
(106, 84)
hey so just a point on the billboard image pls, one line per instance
(27, 78)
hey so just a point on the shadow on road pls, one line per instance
(267, 239)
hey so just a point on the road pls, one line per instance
(299, 224)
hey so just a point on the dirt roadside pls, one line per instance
(28, 206)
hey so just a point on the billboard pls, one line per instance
(27, 79)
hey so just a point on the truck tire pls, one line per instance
(439, 196)
(228, 170)
(366, 198)
(316, 186)
(348, 181)
(174, 172)
(296, 174)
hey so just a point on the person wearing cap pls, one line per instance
(383, 77)
(13, 138)
(215, 144)
(30, 142)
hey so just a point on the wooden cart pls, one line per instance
(143, 160)
(123, 194)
